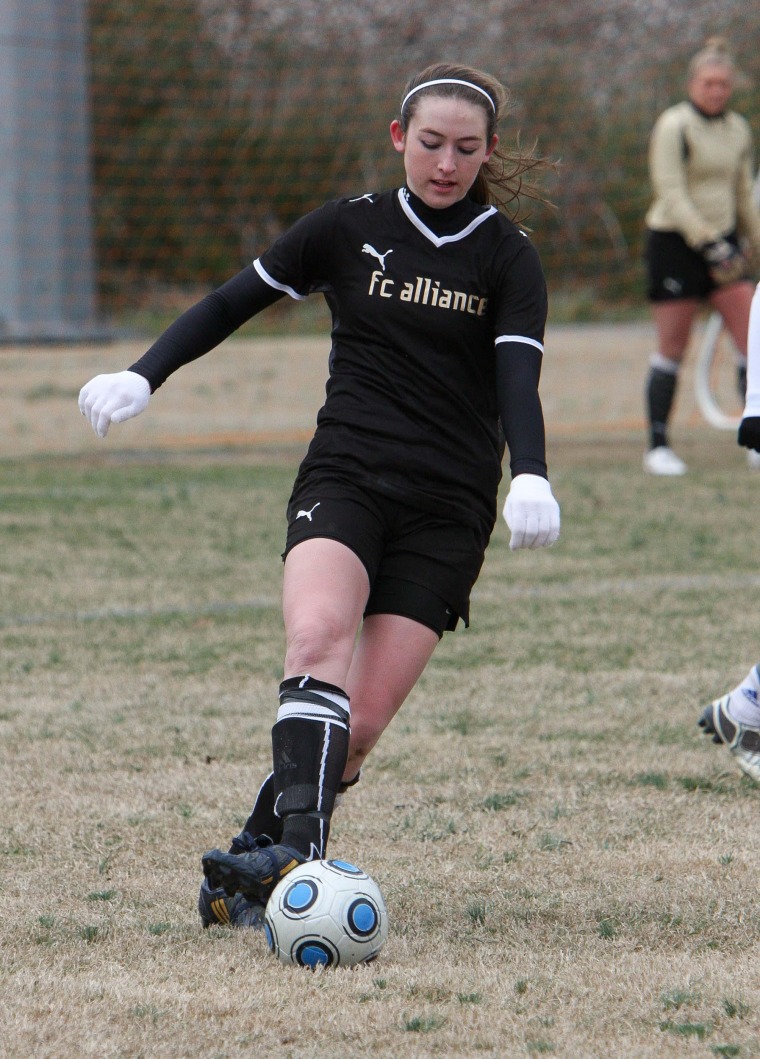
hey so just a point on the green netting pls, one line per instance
(216, 123)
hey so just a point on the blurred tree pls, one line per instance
(218, 122)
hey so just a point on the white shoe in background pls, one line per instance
(663, 461)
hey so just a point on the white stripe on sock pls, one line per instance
(309, 711)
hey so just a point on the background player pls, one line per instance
(700, 164)
(439, 307)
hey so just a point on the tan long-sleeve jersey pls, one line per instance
(701, 174)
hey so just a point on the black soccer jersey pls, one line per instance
(411, 400)
(421, 301)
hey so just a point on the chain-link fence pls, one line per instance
(212, 124)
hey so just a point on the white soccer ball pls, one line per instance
(326, 913)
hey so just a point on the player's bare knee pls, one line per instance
(316, 641)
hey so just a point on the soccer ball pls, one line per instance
(326, 913)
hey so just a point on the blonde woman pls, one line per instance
(701, 226)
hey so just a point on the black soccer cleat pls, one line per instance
(253, 873)
(217, 909)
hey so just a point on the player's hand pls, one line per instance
(531, 512)
(113, 398)
(749, 433)
(726, 262)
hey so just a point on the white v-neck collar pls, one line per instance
(441, 240)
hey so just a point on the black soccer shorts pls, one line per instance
(674, 270)
(419, 565)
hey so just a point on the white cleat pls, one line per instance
(742, 740)
(663, 461)
(753, 460)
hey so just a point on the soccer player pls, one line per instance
(701, 216)
(734, 719)
(439, 305)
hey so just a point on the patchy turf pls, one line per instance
(570, 867)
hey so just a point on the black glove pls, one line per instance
(749, 433)
(725, 261)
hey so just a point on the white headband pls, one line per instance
(448, 81)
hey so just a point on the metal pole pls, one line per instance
(47, 279)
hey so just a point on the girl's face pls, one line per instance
(444, 147)
(711, 86)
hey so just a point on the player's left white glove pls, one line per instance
(531, 512)
(113, 398)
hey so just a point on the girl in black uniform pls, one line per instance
(439, 306)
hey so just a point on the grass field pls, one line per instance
(570, 867)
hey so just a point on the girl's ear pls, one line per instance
(491, 147)
(398, 136)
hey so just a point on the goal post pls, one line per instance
(47, 275)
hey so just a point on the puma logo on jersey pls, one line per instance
(367, 249)
(369, 196)
(308, 514)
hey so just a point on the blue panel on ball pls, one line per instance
(268, 935)
(300, 896)
(362, 917)
(313, 955)
(344, 865)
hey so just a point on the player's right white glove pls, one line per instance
(531, 512)
(113, 398)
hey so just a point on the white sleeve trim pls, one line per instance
(273, 282)
(521, 338)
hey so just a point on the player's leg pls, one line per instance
(390, 656)
(673, 323)
(325, 589)
(421, 591)
(391, 653)
(733, 302)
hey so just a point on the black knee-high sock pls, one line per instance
(263, 819)
(309, 751)
(660, 394)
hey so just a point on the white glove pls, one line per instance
(531, 512)
(113, 398)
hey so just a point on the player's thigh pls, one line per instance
(325, 590)
(733, 303)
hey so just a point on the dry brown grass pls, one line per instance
(570, 868)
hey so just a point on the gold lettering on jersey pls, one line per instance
(427, 291)
(380, 281)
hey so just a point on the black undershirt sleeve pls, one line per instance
(518, 370)
(205, 325)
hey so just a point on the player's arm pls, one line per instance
(113, 398)
(205, 325)
(292, 265)
(520, 311)
(518, 370)
(531, 511)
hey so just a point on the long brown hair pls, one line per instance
(501, 180)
